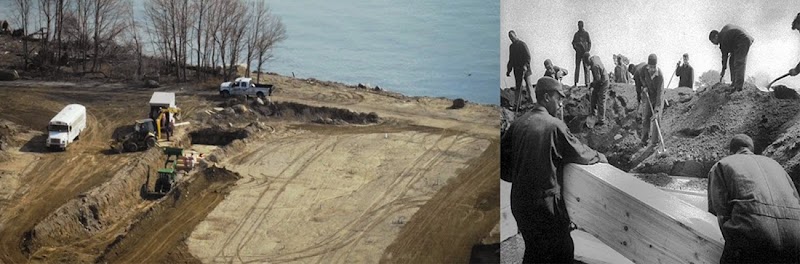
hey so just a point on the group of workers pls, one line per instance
(755, 201)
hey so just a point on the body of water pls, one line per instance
(418, 47)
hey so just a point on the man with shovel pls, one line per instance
(652, 81)
(733, 41)
(599, 87)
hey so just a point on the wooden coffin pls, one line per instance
(638, 220)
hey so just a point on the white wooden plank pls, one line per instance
(508, 225)
(637, 219)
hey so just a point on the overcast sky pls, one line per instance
(668, 28)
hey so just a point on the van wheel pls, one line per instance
(226, 94)
(150, 142)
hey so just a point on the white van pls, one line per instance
(66, 126)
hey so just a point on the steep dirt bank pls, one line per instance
(157, 234)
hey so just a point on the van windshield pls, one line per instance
(58, 128)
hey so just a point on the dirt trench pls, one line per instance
(98, 221)
(158, 235)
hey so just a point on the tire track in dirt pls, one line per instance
(425, 169)
(259, 218)
(376, 210)
(452, 230)
(251, 210)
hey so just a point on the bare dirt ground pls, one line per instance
(423, 178)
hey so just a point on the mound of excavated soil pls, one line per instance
(699, 130)
(324, 115)
(91, 213)
(786, 149)
(696, 127)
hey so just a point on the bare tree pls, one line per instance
(133, 31)
(238, 26)
(23, 17)
(201, 8)
(59, 25)
(171, 22)
(271, 31)
(46, 8)
(108, 23)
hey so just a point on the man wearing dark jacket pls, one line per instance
(620, 72)
(651, 83)
(685, 72)
(756, 205)
(733, 41)
(795, 25)
(599, 86)
(519, 61)
(581, 43)
(553, 71)
(634, 70)
(534, 151)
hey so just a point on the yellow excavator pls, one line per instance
(146, 133)
(173, 110)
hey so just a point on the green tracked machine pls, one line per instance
(168, 174)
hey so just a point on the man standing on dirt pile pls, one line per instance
(634, 70)
(581, 43)
(651, 79)
(733, 41)
(757, 207)
(599, 86)
(519, 60)
(620, 73)
(685, 72)
(553, 71)
(534, 151)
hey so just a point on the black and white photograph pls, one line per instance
(649, 131)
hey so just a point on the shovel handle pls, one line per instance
(782, 76)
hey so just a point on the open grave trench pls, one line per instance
(120, 221)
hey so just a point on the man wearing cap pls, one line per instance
(635, 72)
(685, 72)
(534, 151)
(651, 84)
(581, 43)
(733, 41)
(756, 205)
(519, 60)
(599, 86)
(795, 25)
(553, 71)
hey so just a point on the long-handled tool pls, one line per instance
(658, 127)
(672, 76)
(770, 84)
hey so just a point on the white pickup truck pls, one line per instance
(245, 86)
